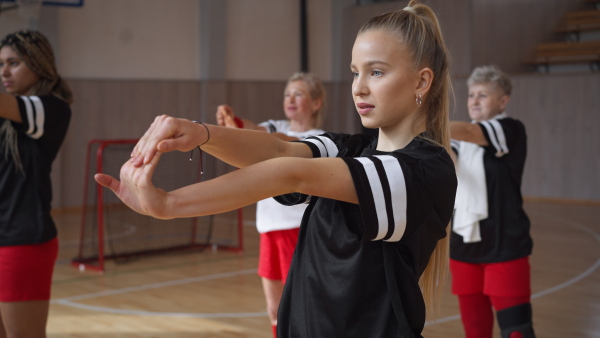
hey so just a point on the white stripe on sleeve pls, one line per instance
(40, 117)
(378, 198)
(501, 137)
(492, 135)
(395, 177)
(29, 113)
(326, 146)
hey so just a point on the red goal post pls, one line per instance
(110, 230)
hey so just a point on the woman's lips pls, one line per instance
(364, 108)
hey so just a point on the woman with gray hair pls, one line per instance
(490, 241)
(34, 117)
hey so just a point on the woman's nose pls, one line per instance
(358, 87)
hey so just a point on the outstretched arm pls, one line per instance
(469, 132)
(9, 108)
(226, 118)
(326, 177)
(238, 147)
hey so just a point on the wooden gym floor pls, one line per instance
(218, 294)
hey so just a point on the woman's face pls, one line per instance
(17, 77)
(485, 101)
(297, 102)
(384, 86)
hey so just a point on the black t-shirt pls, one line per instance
(26, 196)
(505, 233)
(356, 267)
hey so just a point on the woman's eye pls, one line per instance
(377, 73)
(355, 74)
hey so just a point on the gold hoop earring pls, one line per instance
(419, 100)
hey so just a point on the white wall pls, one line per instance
(320, 33)
(262, 40)
(132, 39)
(161, 39)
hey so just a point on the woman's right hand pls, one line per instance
(226, 117)
(168, 134)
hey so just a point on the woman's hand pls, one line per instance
(167, 134)
(226, 117)
(136, 189)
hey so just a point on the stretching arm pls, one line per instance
(226, 118)
(9, 108)
(238, 147)
(326, 177)
(469, 132)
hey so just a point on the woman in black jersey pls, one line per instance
(279, 225)
(378, 206)
(490, 241)
(34, 117)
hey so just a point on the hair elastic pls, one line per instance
(410, 9)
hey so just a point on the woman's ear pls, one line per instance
(316, 105)
(504, 102)
(425, 80)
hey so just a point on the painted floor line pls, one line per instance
(69, 301)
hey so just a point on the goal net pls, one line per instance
(110, 230)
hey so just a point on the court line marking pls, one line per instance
(70, 301)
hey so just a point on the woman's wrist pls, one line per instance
(207, 133)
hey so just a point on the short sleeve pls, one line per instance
(382, 194)
(45, 119)
(327, 145)
(501, 134)
(43, 116)
(455, 145)
(276, 126)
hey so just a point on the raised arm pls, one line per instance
(470, 132)
(9, 108)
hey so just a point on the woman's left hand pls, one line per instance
(136, 189)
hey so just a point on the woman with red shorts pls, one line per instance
(34, 117)
(490, 242)
(278, 224)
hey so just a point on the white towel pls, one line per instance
(471, 205)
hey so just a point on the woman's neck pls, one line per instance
(391, 139)
(301, 126)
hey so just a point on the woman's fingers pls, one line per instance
(107, 181)
(230, 122)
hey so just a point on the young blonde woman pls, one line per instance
(378, 207)
(34, 117)
(278, 225)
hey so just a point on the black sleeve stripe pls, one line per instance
(496, 136)
(455, 145)
(388, 188)
(34, 110)
(327, 147)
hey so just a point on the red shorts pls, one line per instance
(276, 251)
(26, 271)
(504, 279)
